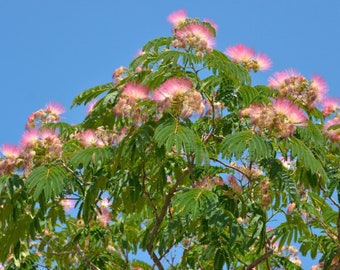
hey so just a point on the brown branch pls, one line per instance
(84, 257)
(260, 259)
(230, 167)
(168, 197)
(154, 208)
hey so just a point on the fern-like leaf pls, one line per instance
(305, 155)
(194, 202)
(235, 144)
(47, 180)
(91, 93)
(84, 157)
(173, 134)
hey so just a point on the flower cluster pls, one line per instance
(248, 58)
(50, 114)
(264, 190)
(192, 34)
(37, 145)
(234, 184)
(127, 105)
(103, 213)
(279, 118)
(292, 85)
(331, 129)
(178, 96)
(99, 137)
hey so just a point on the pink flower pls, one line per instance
(280, 79)
(177, 17)
(67, 204)
(179, 95)
(247, 57)
(55, 108)
(90, 106)
(118, 73)
(332, 133)
(135, 91)
(104, 215)
(291, 207)
(29, 138)
(240, 53)
(105, 203)
(47, 134)
(89, 138)
(10, 151)
(263, 61)
(291, 111)
(320, 86)
(171, 88)
(330, 106)
(197, 35)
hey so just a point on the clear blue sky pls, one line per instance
(52, 50)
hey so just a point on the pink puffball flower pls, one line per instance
(30, 138)
(247, 57)
(55, 108)
(47, 134)
(177, 17)
(10, 151)
(291, 111)
(280, 79)
(104, 215)
(67, 204)
(90, 106)
(105, 203)
(89, 138)
(240, 53)
(135, 91)
(320, 86)
(294, 86)
(291, 207)
(263, 61)
(171, 88)
(179, 95)
(196, 35)
(330, 106)
(332, 133)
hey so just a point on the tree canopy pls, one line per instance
(182, 157)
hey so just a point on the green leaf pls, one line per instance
(138, 264)
(156, 43)
(219, 63)
(285, 262)
(91, 93)
(90, 155)
(306, 157)
(235, 144)
(219, 259)
(172, 133)
(194, 202)
(248, 95)
(259, 148)
(48, 180)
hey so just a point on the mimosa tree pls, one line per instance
(182, 157)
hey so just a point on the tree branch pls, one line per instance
(161, 216)
(84, 257)
(260, 259)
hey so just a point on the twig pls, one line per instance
(260, 259)
(84, 257)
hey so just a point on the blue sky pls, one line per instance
(52, 50)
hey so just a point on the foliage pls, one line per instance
(180, 157)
